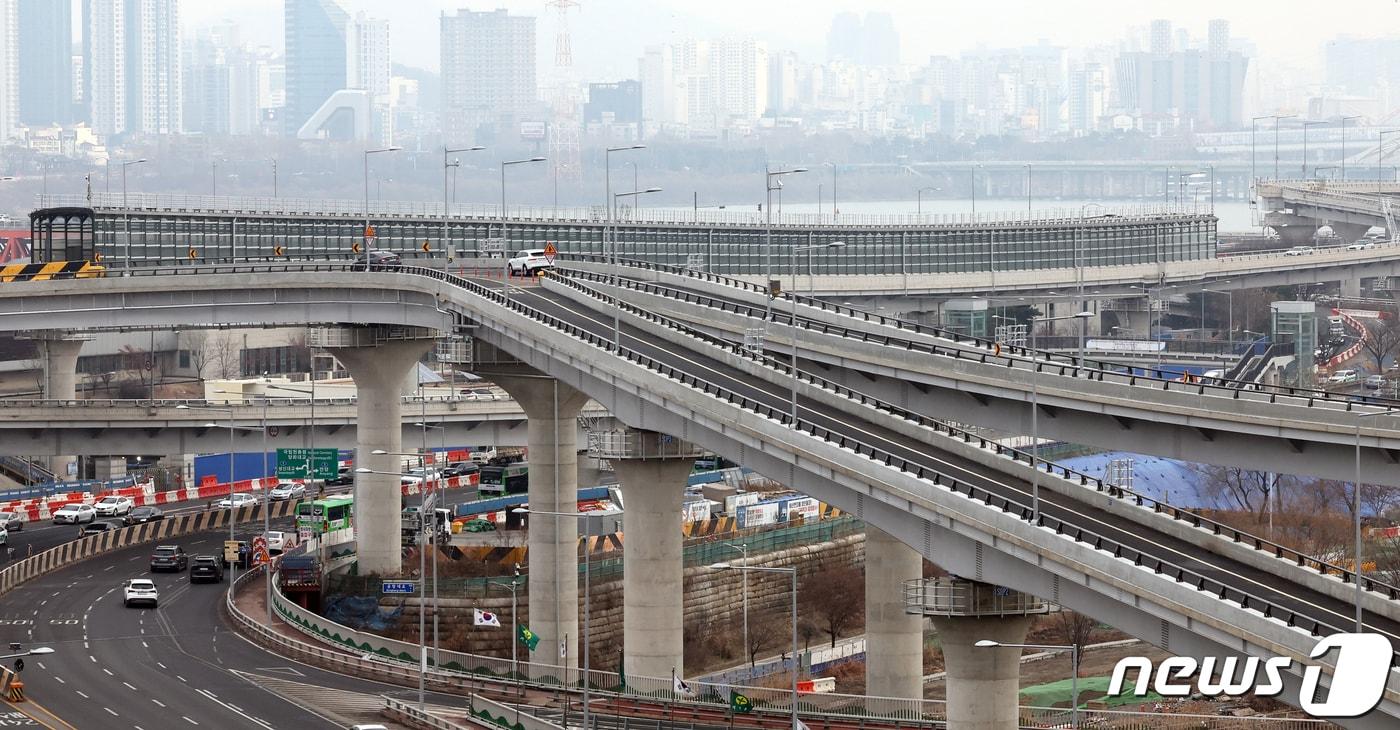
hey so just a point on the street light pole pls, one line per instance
(743, 549)
(919, 209)
(126, 211)
(610, 203)
(796, 723)
(445, 165)
(1035, 411)
(1278, 119)
(792, 265)
(587, 602)
(1344, 144)
(1356, 509)
(367, 220)
(772, 181)
(617, 276)
(1305, 144)
(505, 251)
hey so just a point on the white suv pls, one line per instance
(140, 590)
(113, 506)
(529, 262)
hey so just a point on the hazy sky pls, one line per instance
(608, 35)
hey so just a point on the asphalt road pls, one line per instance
(169, 667)
(1333, 614)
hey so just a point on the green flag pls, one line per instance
(740, 704)
(527, 637)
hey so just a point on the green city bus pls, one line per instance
(508, 479)
(326, 515)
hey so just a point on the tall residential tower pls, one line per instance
(488, 73)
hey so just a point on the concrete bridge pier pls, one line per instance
(652, 469)
(58, 351)
(983, 683)
(378, 367)
(551, 409)
(894, 638)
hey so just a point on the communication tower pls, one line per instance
(564, 102)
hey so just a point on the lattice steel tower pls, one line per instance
(564, 102)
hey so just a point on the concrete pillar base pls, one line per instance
(653, 635)
(551, 412)
(893, 637)
(378, 372)
(59, 354)
(983, 684)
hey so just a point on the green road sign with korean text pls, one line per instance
(291, 463)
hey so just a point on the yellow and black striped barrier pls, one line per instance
(51, 270)
(11, 685)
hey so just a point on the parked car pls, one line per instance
(276, 541)
(383, 261)
(287, 490)
(140, 591)
(1300, 251)
(100, 526)
(236, 501)
(1342, 377)
(1374, 382)
(113, 506)
(73, 513)
(169, 557)
(206, 568)
(529, 262)
(13, 521)
(142, 515)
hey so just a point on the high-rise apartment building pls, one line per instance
(131, 51)
(368, 57)
(1175, 85)
(657, 76)
(488, 72)
(315, 35)
(1087, 98)
(873, 41)
(9, 68)
(45, 62)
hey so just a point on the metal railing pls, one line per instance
(1042, 361)
(632, 444)
(950, 597)
(1303, 560)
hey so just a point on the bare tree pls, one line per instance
(1231, 487)
(1383, 339)
(197, 343)
(766, 632)
(837, 601)
(1074, 629)
(223, 355)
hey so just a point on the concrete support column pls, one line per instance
(378, 372)
(551, 409)
(983, 684)
(1351, 288)
(894, 638)
(60, 358)
(653, 603)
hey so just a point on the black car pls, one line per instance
(460, 469)
(383, 261)
(141, 515)
(99, 526)
(343, 477)
(169, 557)
(206, 568)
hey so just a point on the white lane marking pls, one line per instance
(233, 708)
(182, 679)
(47, 600)
(81, 693)
(109, 567)
(41, 665)
(145, 645)
(56, 594)
(60, 679)
(162, 666)
(93, 658)
(158, 702)
(187, 719)
(110, 712)
(130, 686)
(108, 671)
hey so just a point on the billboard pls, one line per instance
(533, 130)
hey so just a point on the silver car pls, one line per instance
(13, 521)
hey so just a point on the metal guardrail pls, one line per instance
(779, 413)
(1011, 355)
(632, 444)
(948, 597)
(1280, 551)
